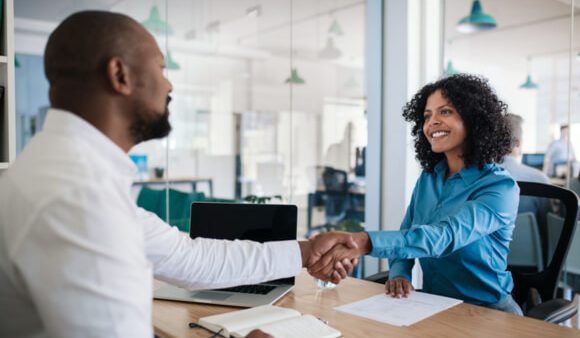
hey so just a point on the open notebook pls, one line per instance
(277, 321)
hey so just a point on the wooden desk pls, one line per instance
(180, 180)
(170, 319)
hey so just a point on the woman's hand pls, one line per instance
(398, 287)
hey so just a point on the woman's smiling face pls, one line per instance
(443, 126)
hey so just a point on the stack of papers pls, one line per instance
(399, 311)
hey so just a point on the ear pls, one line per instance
(118, 76)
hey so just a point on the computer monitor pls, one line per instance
(534, 160)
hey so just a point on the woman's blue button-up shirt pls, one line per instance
(460, 228)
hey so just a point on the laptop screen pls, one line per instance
(256, 222)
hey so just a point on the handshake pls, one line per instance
(331, 256)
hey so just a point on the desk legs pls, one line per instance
(209, 184)
(311, 197)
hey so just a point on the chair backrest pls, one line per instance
(546, 281)
(573, 259)
(335, 180)
(525, 247)
(335, 194)
(555, 224)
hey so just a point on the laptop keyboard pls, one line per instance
(252, 289)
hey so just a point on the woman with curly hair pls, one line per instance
(461, 216)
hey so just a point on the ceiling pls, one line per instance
(270, 31)
(525, 27)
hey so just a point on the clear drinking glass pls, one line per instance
(324, 285)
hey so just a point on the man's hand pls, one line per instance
(326, 267)
(322, 243)
(398, 287)
(339, 251)
(258, 334)
(315, 248)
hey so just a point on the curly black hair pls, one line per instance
(488, 136)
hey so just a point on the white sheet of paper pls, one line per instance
(399, 311)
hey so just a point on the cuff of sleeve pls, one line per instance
(386, 244)
(400, 270)
(287, 257)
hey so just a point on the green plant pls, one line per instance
(350, 226)
(261, 200)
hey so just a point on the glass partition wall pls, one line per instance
(268, 102)
(526, 50)
(529, 51)
(268, 105)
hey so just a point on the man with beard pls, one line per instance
(77, 255)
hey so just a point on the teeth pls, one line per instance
(439, 134)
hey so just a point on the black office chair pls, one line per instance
(336, 199)
(535, 292)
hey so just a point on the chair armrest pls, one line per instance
(380, 277)
(553, 311)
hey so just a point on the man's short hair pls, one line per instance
(515, 123)
(80, 47)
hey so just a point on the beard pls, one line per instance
(149, 124)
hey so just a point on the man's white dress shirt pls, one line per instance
(77, 255)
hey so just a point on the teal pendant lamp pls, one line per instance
(335, 28)
(476, 21)
(450, 70)
(529, 83)
(170, 63)
(295, 78)
(155, 24)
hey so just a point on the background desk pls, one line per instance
(170, 319)
(181, 180)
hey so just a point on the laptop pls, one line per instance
(256, 222)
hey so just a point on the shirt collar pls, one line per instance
(468, 175)
(65, 122)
